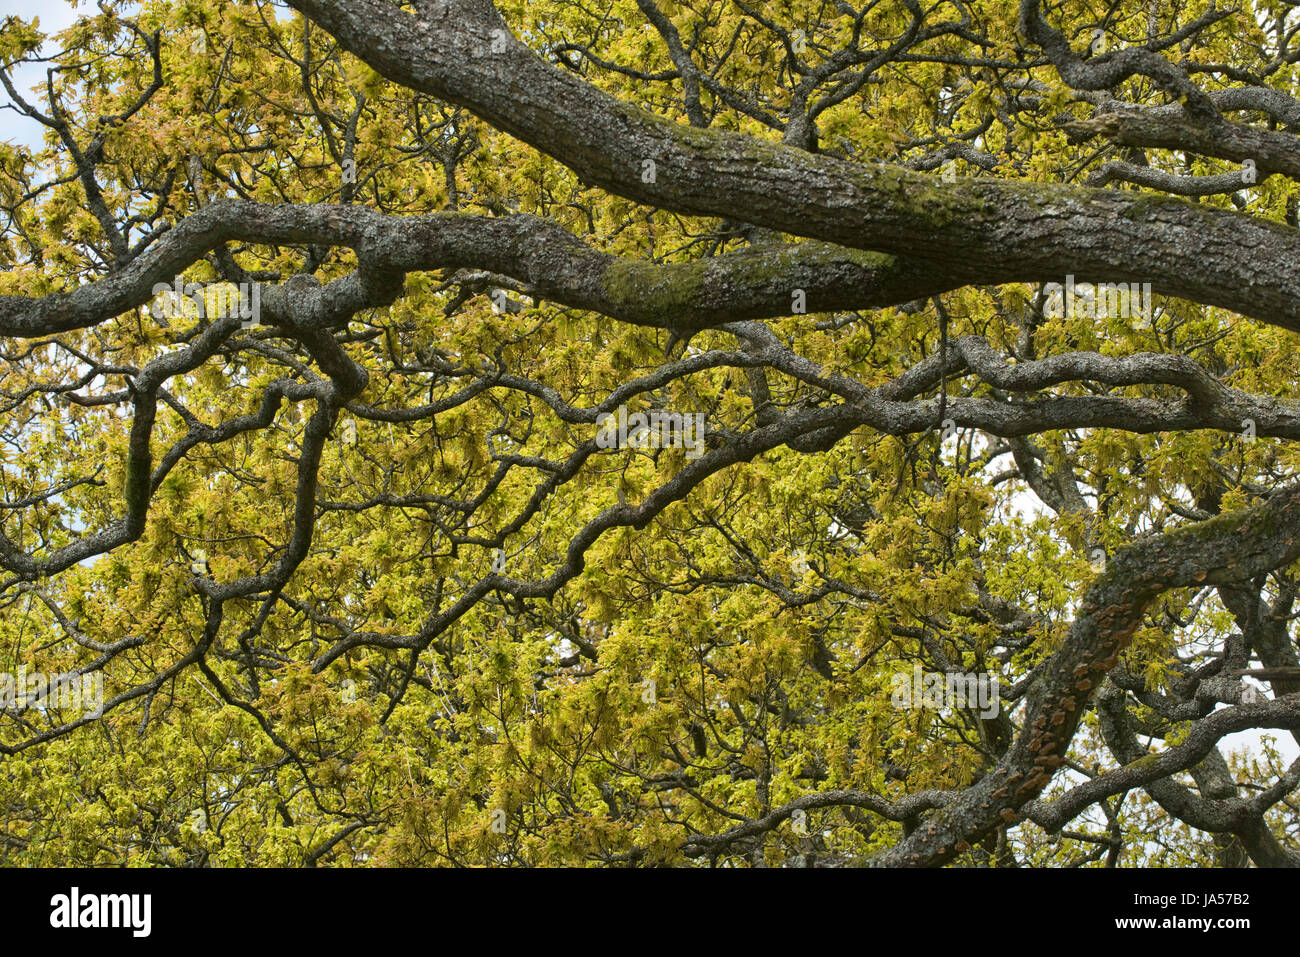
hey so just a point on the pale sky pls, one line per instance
(54, 15)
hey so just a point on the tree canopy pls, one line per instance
(325, 334)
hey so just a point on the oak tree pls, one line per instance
(328, 338)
